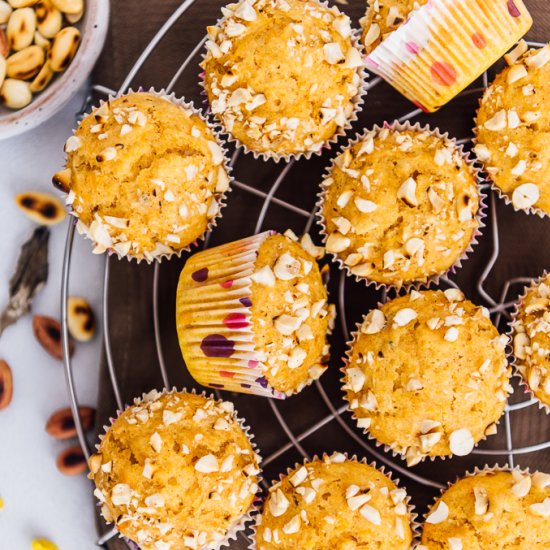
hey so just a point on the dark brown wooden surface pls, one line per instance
(524, 242)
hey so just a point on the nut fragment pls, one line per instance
(42, 79)
(25, 63)
(49, 19)
(61, 423)
(63, 48)
(15, 94)
(62, 180)
(48, 334)
(525, 196)
(20, 29)
(461, 442)
(71, 461)
(81, 319)
(42, 208)
(6, 384)
(438, 514)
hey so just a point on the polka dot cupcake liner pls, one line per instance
(395, 449)
(413, 523)
(240, 524)
(429, 280)
(357, 101)
(515, 361)
(218, 346)
(445, 45)
(166, 251)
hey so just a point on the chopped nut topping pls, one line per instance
(481, 501)
(438, 514)
(461, 442)
(207, 464)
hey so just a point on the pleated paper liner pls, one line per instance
(239, 524)
(469, 474)
(357, 102)
(163, 250)
(428, 280)
(445, 45)
(218, 344)
(413, 523)
(394, 448)
(520, 369)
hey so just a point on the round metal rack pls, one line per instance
(499, 307)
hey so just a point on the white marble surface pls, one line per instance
(40, 502)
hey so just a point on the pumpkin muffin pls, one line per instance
(427, 375)
(176, 471)
(513, 128)
(145, 176)
(284, 77)
(531, 338)
(253, 316)
(500, 510)
(381, 20)
(335, 503)
(400, 220)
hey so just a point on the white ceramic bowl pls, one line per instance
(93, 28)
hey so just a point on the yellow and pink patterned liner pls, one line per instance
(445, 45)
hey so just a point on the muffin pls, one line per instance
(400, 220)
(145, 176)
(253, 317)
(335, 503)
(512, 128)
(283, 77)
(380, 20)
(444, 47)
(531, 339)
(493, 509)
(427, 375)
(175, 471)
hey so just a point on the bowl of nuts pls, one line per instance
(48, 49)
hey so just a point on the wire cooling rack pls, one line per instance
(499, 306)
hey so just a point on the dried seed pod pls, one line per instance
(42, 208)
(25, 63)
(41, 40)
(63, 48)
(15, 94)
(5, 12)
(4, 44)
(16, 4)
(2, 70)
(81, 319)
(69, 6)
(61, 423)
(72, 461)
(49, 19)
(48, 334)
(20, 28)
(6, 385)
(42, 79)
(62, 180)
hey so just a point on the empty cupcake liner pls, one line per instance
(393, 448)
(220, 351)
(165, 251)
(515, 361)
(413, 516)
(480, 214)
(357, 101)
(476, 471)
(445, 45)
(240, 524)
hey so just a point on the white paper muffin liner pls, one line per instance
(480, 214)
(240, 524)
(220, 351)
(414, 523)
(514, 361)
(476, 471)
(389, 448)
(357, 101)
(166, 251)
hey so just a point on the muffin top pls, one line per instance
(382, 19)
(400, 219)
(144, 176)
(282, 75)
(513, 128)
(497, 510)
(175, 471)
(532, 338)
(338, 504)
(290, 314)
(427, 374)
